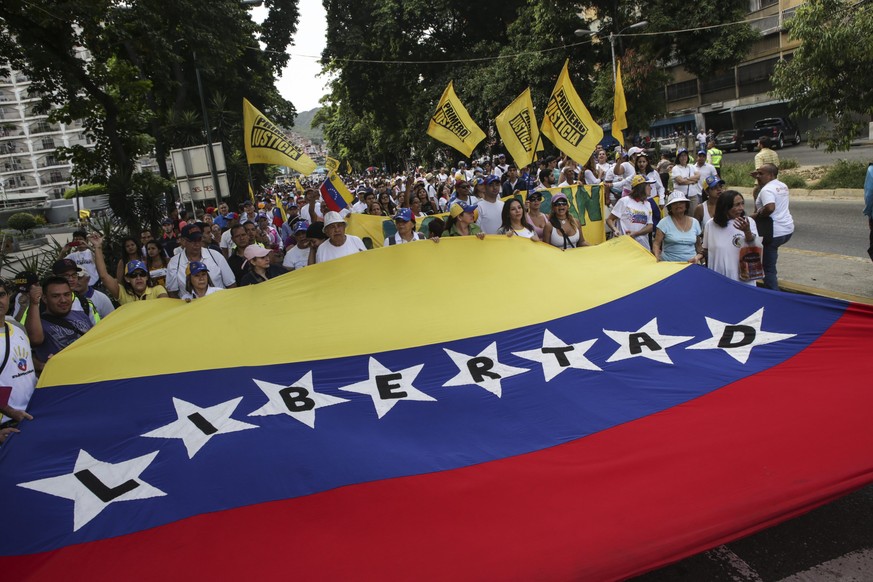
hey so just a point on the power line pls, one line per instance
(515, 55)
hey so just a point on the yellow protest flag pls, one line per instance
(452, 125)
(518, 129)
(251, 192)
(348, 168)
(567, 122)
(266, 144)
(619, 108)
(298, 186)
(332, 164)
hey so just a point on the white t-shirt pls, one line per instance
(633, 216)
(327, 251)
(85, 259)
(398, 240)
(623, 181)
(723, 248)
(776, 192)
(490, 216)
(705, 171)
(226, 243)
(187, 295)
(18, 371)
(219, 271)
(685, 172)
(296, 258)
(305, 214)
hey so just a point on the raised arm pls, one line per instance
(110, 282)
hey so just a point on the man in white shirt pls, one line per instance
(311, 209)
(772, 202)
(491, 207)
(219, 271)
(501, 167)
(338, 243)
(704, 169)
(360, 207)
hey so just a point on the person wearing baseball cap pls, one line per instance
(338, 243)
(260, 267)
(137, 284)
(69, 270)
(462, 221)
(297, 255)
(632, 215)
(405, 223)
(198, 284)
(219, 270)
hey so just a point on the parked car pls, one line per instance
(664, 145)
(729, 140)
(778, 129)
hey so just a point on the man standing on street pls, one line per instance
(772, 203)
(765, 155)
(713, 157)
(868, 205)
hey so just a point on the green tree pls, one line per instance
(391, 60)
(127, 69)
(829, 74)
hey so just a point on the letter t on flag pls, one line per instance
(619, 115)
(452, 125)
(567, 122)
(517, 125)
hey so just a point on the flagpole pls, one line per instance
(251, 183)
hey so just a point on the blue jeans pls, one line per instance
(771, 253)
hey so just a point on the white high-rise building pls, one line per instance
(30, 170)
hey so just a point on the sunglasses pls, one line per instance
(534, 197)
(560, 203)
(139, 275)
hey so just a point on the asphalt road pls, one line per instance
(807, 156)
(829, 226)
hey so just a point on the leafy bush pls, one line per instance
(788, 164)
(22, 221)
(86, 190)
(737, 175)
(843, 174)
(40, 220)
(793, 180)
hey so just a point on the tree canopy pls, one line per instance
(829, 74)
(391, 60)
(127, 70)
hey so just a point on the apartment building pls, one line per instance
(739, 96)
(30, 170)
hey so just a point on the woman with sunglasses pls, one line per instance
(562, 230)
(536, 219)
(137, 285)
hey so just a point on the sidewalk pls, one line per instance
(825, 274)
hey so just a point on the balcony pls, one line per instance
(44, 127)
(44, 144)
(51, 162)
(12, 147)
(54, 177)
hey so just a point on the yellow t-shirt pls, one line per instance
(151, 293)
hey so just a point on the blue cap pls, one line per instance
(195, 267)
(404, 214)
(712, 181)
(136, 265)
(491, 180)
(681, 151)
(302, 225)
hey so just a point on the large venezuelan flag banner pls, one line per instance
(593, 433)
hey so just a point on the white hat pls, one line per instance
(332, 218)
(676, 196)
(634, 151)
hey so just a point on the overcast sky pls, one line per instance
(300, 83)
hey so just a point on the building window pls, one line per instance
(767, 25)
(682, 90)
(48, 143)
(716, 82)
(755, 5)
(756, 72)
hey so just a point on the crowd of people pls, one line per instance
(290, 227)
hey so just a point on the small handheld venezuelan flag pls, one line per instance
(335, 193)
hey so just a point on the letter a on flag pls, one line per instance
(518, 129)
(452, 125)
(266, 144)
(567, 122)
(619, 116)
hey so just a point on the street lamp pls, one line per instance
(612, 37)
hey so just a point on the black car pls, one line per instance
(728, 140)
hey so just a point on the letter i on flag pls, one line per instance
(517, 125)
(619, 115)
(567, 122)
(335, 193)
(452, 125)
(265, 143)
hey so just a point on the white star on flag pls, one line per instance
(195, 426)
(557, 356)
(93, 485)
(387, 388)
(483, 370)
(734, 340)
(299, 400)
(638, 344)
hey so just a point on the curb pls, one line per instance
(805, 194)
(807, 290)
